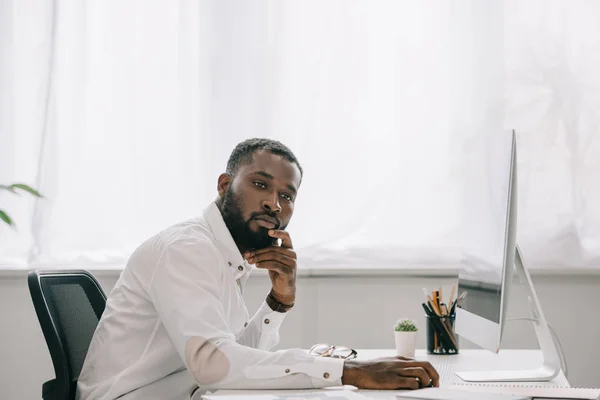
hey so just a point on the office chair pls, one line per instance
(68, 304)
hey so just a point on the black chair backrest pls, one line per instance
(68, 304)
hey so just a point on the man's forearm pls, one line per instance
(288, 369)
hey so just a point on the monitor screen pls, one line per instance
(487, 169)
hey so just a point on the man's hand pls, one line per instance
(281, 263)
(390, 373)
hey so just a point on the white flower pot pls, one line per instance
(405, 343)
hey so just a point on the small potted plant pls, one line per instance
(405, 332)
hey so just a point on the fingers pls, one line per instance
(395, 382)
(416, 372)
(427, 367)
(275, 266)
(273, 256)
(276, 249)
(403, 358)
(407, 383)
(402, 363)
(286, 240)
(389, 374)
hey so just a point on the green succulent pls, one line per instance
(16, 188)
(405, 325)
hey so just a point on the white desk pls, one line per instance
(467, 360)
(464, 361)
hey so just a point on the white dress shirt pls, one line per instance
(176, 320)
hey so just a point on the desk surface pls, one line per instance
(466, 360)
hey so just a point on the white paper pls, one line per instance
(531, 390)
(285, 395)
(454, 394)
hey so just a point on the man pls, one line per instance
(176, 320)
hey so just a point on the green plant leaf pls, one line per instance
(26, 188)
(6, 218)
(8, 188)
(405, 325)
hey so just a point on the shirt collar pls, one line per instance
(231, 253)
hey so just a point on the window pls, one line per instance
(125, 119)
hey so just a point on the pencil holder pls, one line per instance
(441, 338)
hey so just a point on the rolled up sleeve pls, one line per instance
(185, 291)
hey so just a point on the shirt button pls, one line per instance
(240, 268)
(287, 371)
(326, 375)
(245, 324)
(267, 321)
(229, 262)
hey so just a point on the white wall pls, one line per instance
(357, 311)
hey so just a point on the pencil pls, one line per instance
(449, 333)
(444, 310)
(438, 338)
(435, 308)
(452, 293)
(436, 298)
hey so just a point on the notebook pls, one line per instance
(454, 394)
(284, 395)
(532, 390)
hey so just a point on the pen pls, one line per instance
(461, 297)
(434, 320)
(441, 329)
(434, 317)
(428, 306)
(442, 321)
(453, 309)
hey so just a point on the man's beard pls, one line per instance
(244, 237)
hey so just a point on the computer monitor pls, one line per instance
(491, 259)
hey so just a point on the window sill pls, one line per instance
(417, 271)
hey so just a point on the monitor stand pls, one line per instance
(550, 367)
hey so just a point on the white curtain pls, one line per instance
(123, 114)
(553, 102)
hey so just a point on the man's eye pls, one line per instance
(260, 185)
(287, 197)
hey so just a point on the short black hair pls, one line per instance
(242, 153)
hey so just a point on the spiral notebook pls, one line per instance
(539, 391)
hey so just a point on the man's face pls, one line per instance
(260, 198)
